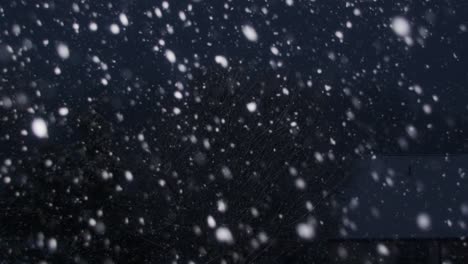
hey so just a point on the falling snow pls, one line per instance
(114, 29)
(252, 107)
(233, 132)
(221, 60)
(63, 51)
(123, 19)
(401, 26)
(423, 221)
(249, 33)
(224, 235)
(305, 231)
(39, 128)
(170, 56)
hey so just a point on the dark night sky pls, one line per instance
(330, 83)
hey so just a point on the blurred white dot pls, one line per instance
(356, 12)
(63, 51)
(178, 95)
(39, 128)
(128, 176)
(52, 244)
(170, 56)
(114, 29)
(252, 107)
(76, 27)
(93, 26)
(383, 250)
(250, 33)
(224, 235)
(305, 230)
(423, 221)
(401, 26)
(176, 111)
(92, 222)
(123, 19)
(221, 60)
(412, 131)
(182, 16)
(339, 35)
(222, 207)
(63, 111)
(57, 71)
(300, 184)
(274, 50)
(427, 109)
(211, 221)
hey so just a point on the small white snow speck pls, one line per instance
(182, 16)
(383, 250)
(423, 221)
(93, 26)
(227, 173)
(176, 111)
(300, 184)
(158, 12)
(318, 157)
(250, 33)
(224, 235)
(211, 221)
(63, 111)
(128, 176)
(252, 107)
(356, 12)
(114, 29)
(221, 60)
(52, 244)
(427, 109)
(293, 171)
(178, 95)
(63, 51)
(170, 56)
(39, 128)
(92, 222)
(401, 26)
(274, 50)
(222, 207)
(339, 35)
(76, 27)
(123, 19)
(305, 231)
(412, 131)
(16, 29)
